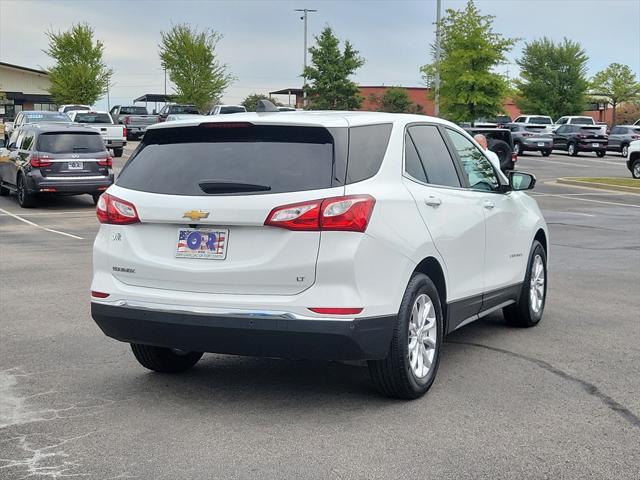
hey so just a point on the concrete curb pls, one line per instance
(599, 186)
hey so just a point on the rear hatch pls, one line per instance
(593, 135)
(538, 133)
(217, 182)
(72, 154)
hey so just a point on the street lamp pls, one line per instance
(304, 77)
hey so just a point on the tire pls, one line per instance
(625, 151)
(601, 154)
(4, 191)
(117, 152)
(164, 360)
(546, 153)
(398, 376)
(527, 312)
(95, 197)
(572, 150)
(503, 150)
(635, 169)
(517, 148)
(26, 199)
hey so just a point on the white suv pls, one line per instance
(331, 235)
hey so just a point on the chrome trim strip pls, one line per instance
(64, 160)
(98, 177)
(215, 311)
(484, 313)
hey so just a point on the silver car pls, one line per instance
(621, 136)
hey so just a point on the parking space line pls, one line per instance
(39, 226)
(570, 164)
(587, 200)
(42, 214)
(606, 162)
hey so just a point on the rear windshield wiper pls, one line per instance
(216, 186)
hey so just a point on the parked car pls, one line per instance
(54, 159)
(621, 137)
(535, 120)
(500, 142)
(173, 117)
(134, 118)
(580, 138)
(114, 136)
(530, 137)
(71, 108)
(34, 116)
(573, 120)
(176, 109)
(633, 159)
(363, 255)
(226, 109)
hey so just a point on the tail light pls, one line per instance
(124, 132)
(116, 211)
(527, 134)
(99, 294)
(106, 162)
(336, 311)
(514, 157)
(635, 137)
(581, 136)
(38, 161)
(126, 120)
(348, 213)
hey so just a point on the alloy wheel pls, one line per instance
(423, 336)
(625, 150)
(636, 170)
(536, 289)
(571, 149)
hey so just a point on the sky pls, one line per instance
(263, 39)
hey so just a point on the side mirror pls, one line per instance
(521, 180)
(2, 143)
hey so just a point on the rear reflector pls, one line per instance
(99, 294)
(336, 311)
(348, 213)
(115, 211)
(124, 132)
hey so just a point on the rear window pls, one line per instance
(540, 120)
(133, 111)
(183, 109)
(591, 129)
(224, 110)
(69, 108)
(367, 146)
(46, 117)
(582, 121)
(70, 142)
(213, 158)
(535, 128)
(92, 118)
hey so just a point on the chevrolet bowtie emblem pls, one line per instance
(195, 215)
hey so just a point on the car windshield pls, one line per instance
(69, 108)
(46, 117)
(133, 111)
(70, 142)
(540, 120)
(590, 129)
(582, 121)
(183, 109)
(92, 118)
(232, 109)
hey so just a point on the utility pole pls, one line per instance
(437, 79)
(304, 78)
(165, 83)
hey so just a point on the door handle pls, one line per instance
(432, 201)
(488, 205)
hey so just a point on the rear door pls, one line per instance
(219, 182)
(560, 137)
(615, 137)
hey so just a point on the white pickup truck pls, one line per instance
(114, 136)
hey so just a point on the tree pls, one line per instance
(618, 84)
(552, 78)
(251, 101)
(79, 74)
(470, 50)
(331, 88)
(395, 100)
(190, 59)
(628, 113)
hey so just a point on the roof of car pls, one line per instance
(312, 118)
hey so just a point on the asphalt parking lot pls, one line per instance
(561, 400)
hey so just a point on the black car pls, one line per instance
(55, 160)
(500, 142)
(175, 109)
(580, 138)
(530, 138)
(621, 136)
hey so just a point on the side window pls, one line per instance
(18, 120)
(562, 130)
(27, 141)
(367, 146)
(520, 120)
(562, 121)
(435, 157)
(19, 140)
(477, 167)
(514, 128)
(412, 163)
(13, 140)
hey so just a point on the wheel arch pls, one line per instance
(431, 267)
(541, 237)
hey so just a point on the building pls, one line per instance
(23, 88)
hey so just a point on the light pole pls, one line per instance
(437, 79)
(304, 78)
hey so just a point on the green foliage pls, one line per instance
(251, 101)
(618, 83)
(395, 100)
(79, 74)
(329, 72)
(192, 64)
(470, 50)
(552, 78)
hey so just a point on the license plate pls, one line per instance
(208, 244)
(595, 144)
(541, 144)
(74, 165)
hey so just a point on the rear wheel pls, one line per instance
(26, 199)
(601, 154)
(635, 169)
(117, 152)
(528, 311)
(546, 153)
(625, 150)
(164, 360)
(414, 354)
(572, 150)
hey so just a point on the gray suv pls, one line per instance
(528, 138)
(621, 136)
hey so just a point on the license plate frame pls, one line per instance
(75, 165)
(595, 145)
(202, 243)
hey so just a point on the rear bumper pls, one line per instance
(585, 147)
(115, 143)
(37, 183)
(532, 145)
(255, 334)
